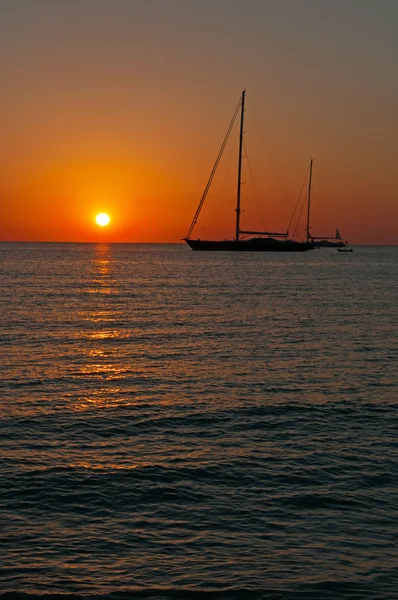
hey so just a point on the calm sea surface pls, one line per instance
(198, 425)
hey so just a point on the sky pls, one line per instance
(121, 106)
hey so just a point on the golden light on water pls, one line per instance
(102, 219)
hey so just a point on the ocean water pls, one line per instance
(198, 425)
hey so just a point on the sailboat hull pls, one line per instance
(250, 245)
(328, 244)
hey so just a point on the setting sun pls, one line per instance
(102, 219)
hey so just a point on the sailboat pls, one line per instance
(328, 242)
(263, 241)
(319, 241)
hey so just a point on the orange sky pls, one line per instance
(123, 110)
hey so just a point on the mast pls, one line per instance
(309, 202)
(238, 211)
(212, 174)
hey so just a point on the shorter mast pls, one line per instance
(238, 211)
(309, 202)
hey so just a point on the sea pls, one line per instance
(178, 424)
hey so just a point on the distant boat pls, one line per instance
(345, 250)
(321, 241)
(263, 241)
(326, 242)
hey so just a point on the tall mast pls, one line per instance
(309, 202)
(242, 114)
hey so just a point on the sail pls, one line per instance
(338, 236)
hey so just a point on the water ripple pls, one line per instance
(181, 426)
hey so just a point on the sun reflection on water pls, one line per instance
(103, 362)
(103, 283)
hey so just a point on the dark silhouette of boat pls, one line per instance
(321, 241)
(328, 242)
(258, 244)
(263, 241)
(345, 250)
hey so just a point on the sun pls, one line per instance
(103, 219)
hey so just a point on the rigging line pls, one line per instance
(297, 202)
(302, 204)
(298, 220)
(256, 194)
(213, 171)
(273, 165)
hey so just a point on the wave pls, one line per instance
(327, 590)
